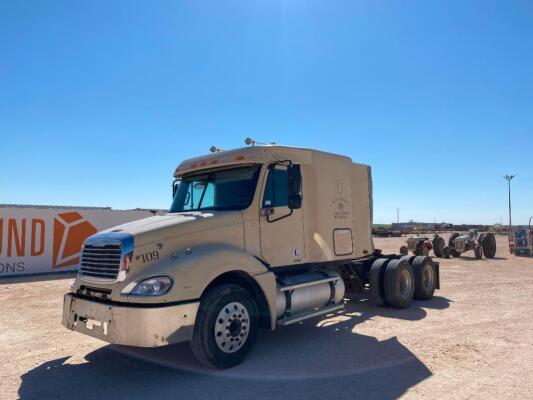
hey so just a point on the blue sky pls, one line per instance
(100, 100)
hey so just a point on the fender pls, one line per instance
(193, 271)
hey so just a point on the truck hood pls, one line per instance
(161, 227)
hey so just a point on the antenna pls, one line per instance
(249, 141)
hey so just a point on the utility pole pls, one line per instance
(398, 215)
(509, 178)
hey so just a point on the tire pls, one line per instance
(438, 247)
(421, 250)
(489, 245)
(425, 278)
(478, 252)
(230, 307)
(446, 252)
(409, 259)
(399, 284)
(451, 240)
(451, 245)
(375, 281)
(455, 253)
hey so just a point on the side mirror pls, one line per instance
(294, 176)
(295, 201)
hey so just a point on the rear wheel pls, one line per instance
(438, 246)
(489, 245)
(377, 274)
(451, 245)
(409, 259)
(399, 284)
(425, 278)
(225, 327)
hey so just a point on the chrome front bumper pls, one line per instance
(130, 325)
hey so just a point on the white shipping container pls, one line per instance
(41, 239)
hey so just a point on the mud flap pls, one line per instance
(436, 265)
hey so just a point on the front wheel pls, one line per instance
(226, 326)
(478, 251)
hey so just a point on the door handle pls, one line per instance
(265, 212)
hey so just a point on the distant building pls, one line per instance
(413, 226)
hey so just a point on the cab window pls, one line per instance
(276, 189)
(228, 189)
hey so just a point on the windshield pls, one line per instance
(229, 189)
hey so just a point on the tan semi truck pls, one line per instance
(257, 237)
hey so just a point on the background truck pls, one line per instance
(523, 240)
(258, 237)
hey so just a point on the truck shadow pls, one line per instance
(473, 259)
(319, 358)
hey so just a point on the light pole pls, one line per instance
(398, 215)
(509, 178)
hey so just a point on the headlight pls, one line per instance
(154, 286)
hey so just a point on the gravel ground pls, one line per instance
(472, 340)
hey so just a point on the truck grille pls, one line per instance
(100, 261)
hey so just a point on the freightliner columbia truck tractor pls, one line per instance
(257, 237)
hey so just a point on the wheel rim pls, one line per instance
(427, 277)
(232, 327)
(406, 283)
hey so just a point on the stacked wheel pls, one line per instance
(489, 245)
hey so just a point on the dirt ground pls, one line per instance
(472, 340)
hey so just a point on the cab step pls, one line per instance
(300, 317)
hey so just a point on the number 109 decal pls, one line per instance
(150, 256)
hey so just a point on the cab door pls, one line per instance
(281, 220)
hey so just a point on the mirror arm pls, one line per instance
(174, 187)
(277, 219)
